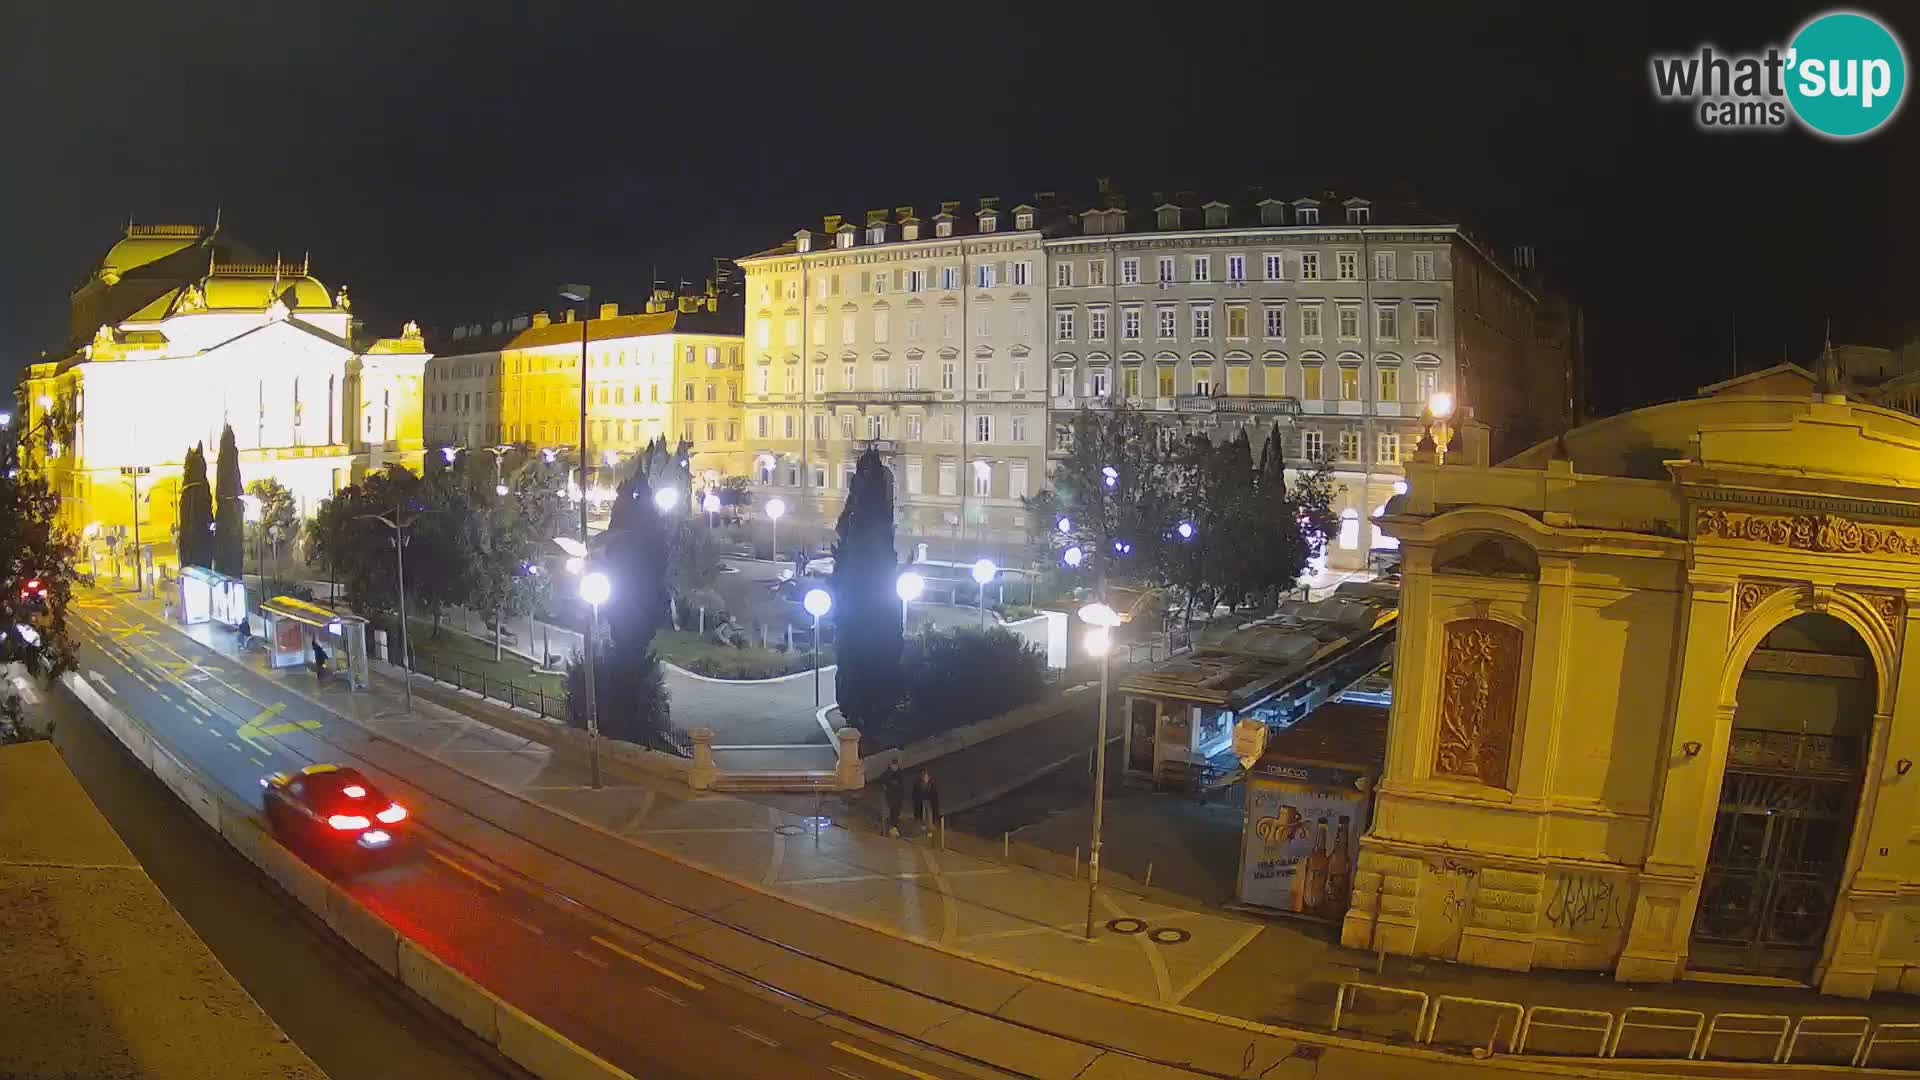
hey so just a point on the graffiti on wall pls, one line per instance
(1587, 904)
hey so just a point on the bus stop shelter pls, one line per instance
(293, 625)
(206, 596)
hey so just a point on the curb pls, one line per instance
(522, 1039)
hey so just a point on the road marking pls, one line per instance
(257, 761)
(259, 726)
(756, 1036)
(591, 959)
(888, 1063)
(237, 748)
(646, 963)
(838, 1071)
(657, 992)
(527, 926)
(458, 869)
(104, 684)
(196, 720)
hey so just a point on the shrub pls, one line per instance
(963, 675)
(630, 700)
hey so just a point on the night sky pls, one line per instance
(452, 161)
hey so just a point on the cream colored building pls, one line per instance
(1651, 711)
(673, 370)
(919, 335)
(178, 332)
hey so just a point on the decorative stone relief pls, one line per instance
(1479, 691)
(1751, 593)
(1891, 607)
(1807, 532)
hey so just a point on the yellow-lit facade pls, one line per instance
(1651, 707)
(673, 372)
(177, 333)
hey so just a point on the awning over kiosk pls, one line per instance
(294, 624)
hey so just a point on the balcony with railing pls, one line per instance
(877, 397)
(1237, 404)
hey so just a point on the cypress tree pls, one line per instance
(866, 609)
(196, 511)
(229, 516)
(629, 687)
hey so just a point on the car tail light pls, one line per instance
(392, 814)
(347, 822)
(354, 791)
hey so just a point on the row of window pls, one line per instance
(1200, 323)
(912, 428)
(514, 365)
(988, 479)
(602, 432)
(1203, 381)
(981, 323)
(1199, 269)
(880, 377)
(556, 396)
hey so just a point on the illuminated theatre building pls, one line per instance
(178, 332)
(1651, 706)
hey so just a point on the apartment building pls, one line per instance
(1336, 316)
(919, 334)
(674, 369)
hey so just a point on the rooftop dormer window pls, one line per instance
(910, 231)
(877, 234)
(1272, 213)
(803, 241)
(1306, 215)
(843, 238)
(1023, 220)
(1359, 215)
(989, 222)
(1216, 216)
(943, 228)
(1169, 217)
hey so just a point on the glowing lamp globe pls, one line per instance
(666, 498)
(908, 586)
(817, 602)
(595, 588)
(775, 508)
(983, 571)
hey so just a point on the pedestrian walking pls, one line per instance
(319, 660)
(926, 799)
(891, 788)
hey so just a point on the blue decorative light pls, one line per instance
(1186, 530)
(1073, 555)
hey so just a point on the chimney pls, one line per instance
(540, 319)
(903, 213)
(831, 223)
(951, 206)
(1103, 185)
(1044, 198)
(1159, 198)
(608, 311)
(989, 202)
(877, 217)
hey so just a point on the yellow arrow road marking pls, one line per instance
(259, 725)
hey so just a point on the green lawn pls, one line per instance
(703, 657)
(475, 659)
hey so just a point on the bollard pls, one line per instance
(1149, 881)
(702, 775)
(1006, 846)
(1076, 862)
(943, 832)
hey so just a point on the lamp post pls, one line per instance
(1100, 643)
(594, 589)
(666, 498)
(817, 602)
(908, 587)
(1440, 406)
(983, 572)
(711, 504)
(400, 538)
(775, 508)
(133, 473)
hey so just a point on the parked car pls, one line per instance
(333, 812)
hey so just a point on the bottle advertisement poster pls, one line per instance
(1301, 837)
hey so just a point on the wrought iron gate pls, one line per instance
(1779, 850)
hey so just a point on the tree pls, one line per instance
(33, 548)
(279, 517)
(229, 513)
(195, 540)
(629, 688)
(1121, 521)
(866, 608)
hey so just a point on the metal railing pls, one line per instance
(536, 698)
(1636, 1032)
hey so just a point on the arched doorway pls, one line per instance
(1801, 726)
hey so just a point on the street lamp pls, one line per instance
(666, 498)
(594, 589)
(1073, 556)
(817, 602)
(983, 572)
(775, 508)
(6, 419)
(711, 504)
(252, 508)
(133, 473)
(1185, 529)
(908, 587)
(580, 294)
(1100, 643)
(400, 580)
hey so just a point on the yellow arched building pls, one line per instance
(1651, 707)
(178, 332)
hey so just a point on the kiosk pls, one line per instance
(206, 596)
(1309, 798)
(292, 626)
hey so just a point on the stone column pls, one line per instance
(849, 772)
(704, 772)
(1669, 885)
(1537, 726)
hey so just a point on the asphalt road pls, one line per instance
(348, 1016)
(588, 978)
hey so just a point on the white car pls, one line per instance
(821, 567)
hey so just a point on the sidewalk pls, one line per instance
(946, 925)
(102, 977)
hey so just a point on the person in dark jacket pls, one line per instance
(319, 658)
(891, 788)
(926, 799)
